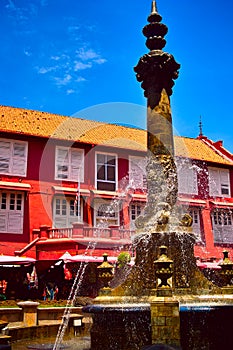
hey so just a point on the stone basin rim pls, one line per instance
(101, 308)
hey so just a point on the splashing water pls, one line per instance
(113, 206)
(73, 294)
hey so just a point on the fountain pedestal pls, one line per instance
(29, 312)
(120, 326)
(186, 278)
(165, 321)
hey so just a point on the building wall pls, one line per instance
(41, 177)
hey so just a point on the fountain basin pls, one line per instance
(120, 326)
(203, 326)
(206, 326)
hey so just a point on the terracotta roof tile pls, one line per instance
(197, 149)
(43, 124)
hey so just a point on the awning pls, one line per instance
(95, 259)
(141, 197)
(192, 201)
(90, 258)
(20, 186)
(222, 204)
(208, 265)
(71, 190)
(106, 194)
(15, 260)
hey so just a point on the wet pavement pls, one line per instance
(76, 343)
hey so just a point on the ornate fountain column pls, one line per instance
(163, 222)
(156, 71)
(139, 311)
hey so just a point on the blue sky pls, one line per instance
(64, 57)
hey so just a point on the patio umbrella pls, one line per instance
(65, 257)
(15, 260)
(89, 258)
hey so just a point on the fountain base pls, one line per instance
(120, 326)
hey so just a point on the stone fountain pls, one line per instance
(145, 308)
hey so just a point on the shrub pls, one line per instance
(123, 259)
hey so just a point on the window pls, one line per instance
(11, 212)
(106, 174)
(219, 182)
(135, 209)
(13, 157)
(187, 178)
(69, 164)
(106, 213)
(137, 172)
(222, 225)
(195, 214)
(66, 211)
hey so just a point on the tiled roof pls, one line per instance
(197, 149)
(42, 124)
(28, 122)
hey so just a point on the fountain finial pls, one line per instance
(154, 7)
(154, 16)
(156, 70)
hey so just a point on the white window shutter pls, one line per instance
(183, 180)
(62, 163)
(69, 164)
(187, 179)
(3, 222)
(225, 182)
(193, 181)
(60, 222)
(224, 176)
(137, 171)
(76, 165)
(214, 182)
(15, 222)
(19, 161)
(5, 154)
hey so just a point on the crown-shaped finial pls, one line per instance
(156, 70)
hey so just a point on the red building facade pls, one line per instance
(69, 184)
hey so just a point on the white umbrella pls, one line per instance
(89, 258)
(66, 256)
(15, 260)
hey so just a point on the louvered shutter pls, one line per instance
(225, 182)
(137, 171)
(193, 181)
(76, 165)
(182, 180)
(60, 222)
(5, 154)
(3, 222)
(15, 222)
(18, 162)
(214, 182)
(187, 179)
(62, 163)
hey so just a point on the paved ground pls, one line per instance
(77, 343)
